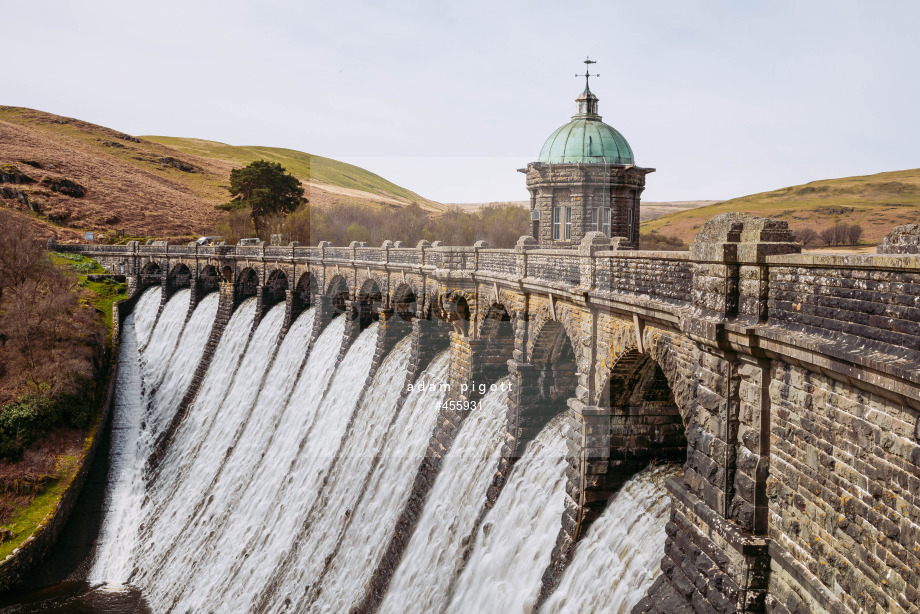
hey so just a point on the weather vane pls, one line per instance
(587, 74)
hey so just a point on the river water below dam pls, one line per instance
(283, 484)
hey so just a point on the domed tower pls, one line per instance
(585, 179)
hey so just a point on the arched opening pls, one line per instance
(180, 277)
(208, 280)
(405, 303)
(369, 300)
(338, 293)
(497, 330)
(646, 423)
(275, 290)
(150, 275)
(151, 268)
(247, 286)
(550, 385)
(304, 293)
(646, 426)
(227, 273)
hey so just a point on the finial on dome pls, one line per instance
(586, 104)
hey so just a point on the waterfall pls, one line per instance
(617, 561)
(387, 492)
(163, 340)
(514, 544)
(135, 420)
(145, 314)
(284, 483)
(444, 531)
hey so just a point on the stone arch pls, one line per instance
(151, 274)
(369, 300)
(275, 288)
(338, 292)
(247, 284)
(304, 294)
(485, 311)
(151, 268)
(456, 308)
(551, 382)
(227, 273)
(180, 276)
(208, 280)
(496, 336)
(362, 279)
(646, 421)
(404, 301)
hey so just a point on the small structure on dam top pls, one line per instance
(585, 180)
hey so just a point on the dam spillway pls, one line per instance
(285, 479)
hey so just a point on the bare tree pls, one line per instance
(806, 235)
(854, 232)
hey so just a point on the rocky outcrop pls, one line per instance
(11, 174)
(65, 187)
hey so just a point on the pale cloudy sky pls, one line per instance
(724, 98)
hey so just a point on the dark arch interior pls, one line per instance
(645, 426)
(302, 298)
(338, 292)
(208, 280)
(151, 268)
(180, 276)
(369, 300)
(227, 273)
(552, 383)
(405, 303)
(248, 284)
(498, 332)
(275, 290)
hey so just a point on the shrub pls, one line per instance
(25, 420)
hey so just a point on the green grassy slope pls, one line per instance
(876, 202)
(302, 165)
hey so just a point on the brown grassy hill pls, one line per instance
(141, 187)
(876, 202)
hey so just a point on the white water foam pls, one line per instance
(619, 558)
(134, 428)
(387, 492)
(514, 544)
(444, 532)
(145, 315)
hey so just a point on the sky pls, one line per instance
(723, 98)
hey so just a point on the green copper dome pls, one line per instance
(586, 139)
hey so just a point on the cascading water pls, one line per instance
(255, 516)
(444, 531)
(145, 315)
(274, 531)
(617, 561)
(162, 344)
(387, 491)
(280, 491)
(136, 419)
(177, 502)
(514, 544)
(327, 521)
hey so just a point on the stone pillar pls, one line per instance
(714, 557)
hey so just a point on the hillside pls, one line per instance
(876, 202)
(325, 173)
(70, 176)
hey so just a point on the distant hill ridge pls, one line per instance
(156, 186)
(877, 202)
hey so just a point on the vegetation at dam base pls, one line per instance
(55, 327)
